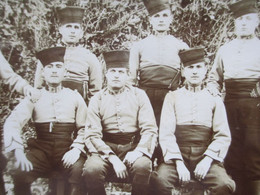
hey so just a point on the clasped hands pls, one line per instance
(200, 171)
(120, 167)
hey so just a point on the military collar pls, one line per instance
(112, 92)
(194, 89)
(160, 34)
(53, 89)
(61, 43)
(249, 37)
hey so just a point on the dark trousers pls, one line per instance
(96, 171)
(243, 159)
(216, 180)
(46, 155)
(2, 167)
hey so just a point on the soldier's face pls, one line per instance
(246, 24)
(116, 77)
(195, 73)
(53, 73)
(162, 20)
(71, 32)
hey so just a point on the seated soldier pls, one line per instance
(121, 131)
(194, 133)
(57, 115)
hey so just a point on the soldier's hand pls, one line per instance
(71, 157)
(119, 166)
(131, 157)
(183, 172)
(202, 168)
(33, 93)
(22, 161)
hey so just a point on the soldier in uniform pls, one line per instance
(154, 61)
(17, 83)
(121, 131)
(237, 67)
(84, 71)
(57, 115)
(194, 133)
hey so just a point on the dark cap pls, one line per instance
(116, 59)
(54, 54)
(192, 56)
(155, 6)
(243, 7)
(70, 14)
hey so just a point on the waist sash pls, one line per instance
(193, 135)
(159, 76)
(239, 88)
(48, 131)
(80, 86)
(122, 138)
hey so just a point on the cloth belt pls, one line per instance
(159, 76)
(193, 135)
(122, 138)
(53, 130)
(80, 86)
(239, 88)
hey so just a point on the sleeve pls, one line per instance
(221, 133)
(38, 79)
(93, 130)
(10, 78)
(14, 124)
(167, 139)
(147, 125)
(215, 78)
(134, 63)
(81, 115)
(95, 75)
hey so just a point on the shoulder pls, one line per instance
(178, 42)
(227, 46)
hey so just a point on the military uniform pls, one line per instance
(237, 67)
(84, 71)
(58, 115)
(194, 125)
(118, 123)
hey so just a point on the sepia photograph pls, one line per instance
(129, 97)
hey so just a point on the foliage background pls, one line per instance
(27, 26)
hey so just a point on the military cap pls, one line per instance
(70, 14)
(243, 7)
(155, 6)
(192, 56)
(54, 54)
(116, 59)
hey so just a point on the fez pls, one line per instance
(54, 54)
(192, 56)
(243, 7)
(70, 14)
(155, 6)
(116, 59)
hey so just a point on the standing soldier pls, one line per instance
(194, 133)
(121, 131)
(154, 61)
(237, 67)
(18, 84)
(57, 115)
(84, 71)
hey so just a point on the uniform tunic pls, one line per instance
(194, 109)
(156, 50)
(82, 66)
(58, 110)
(237, 65)
(115, 116)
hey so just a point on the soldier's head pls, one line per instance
(160, 15)
(117, 74)
(246, 17)
(193, 66)
(54, 69)
(70, 24)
